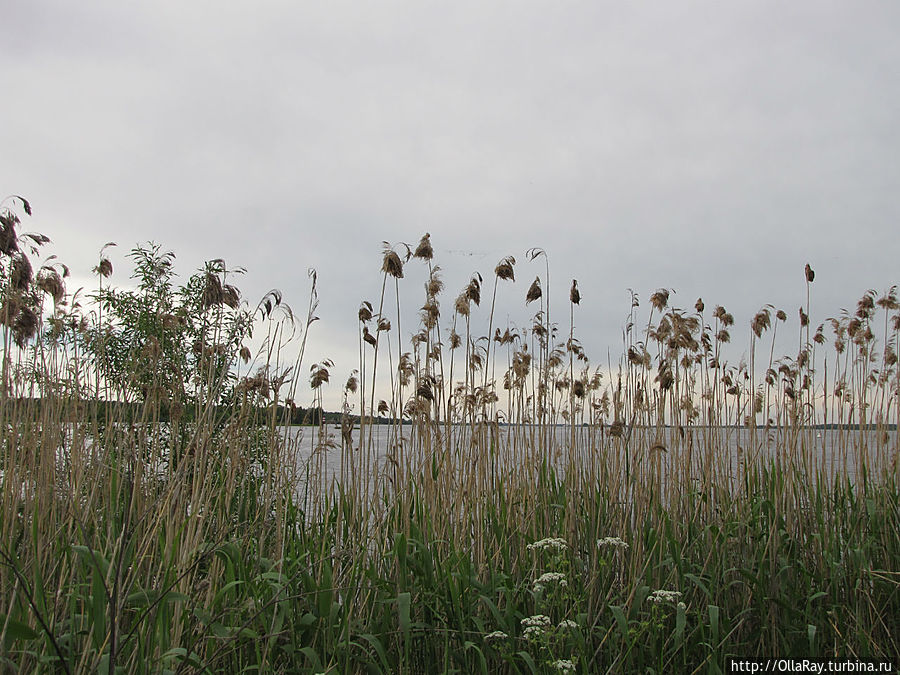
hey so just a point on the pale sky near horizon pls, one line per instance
(711, 148)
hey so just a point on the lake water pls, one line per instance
(727, 451)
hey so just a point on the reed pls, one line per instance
(661, 512)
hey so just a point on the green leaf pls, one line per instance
(698, 583)
(16, 630)
(404, 600)
(314, 659)
(379, 650)
(714, 623)
(526, 657)
(481, 660)
(621, 622)
(680, 621)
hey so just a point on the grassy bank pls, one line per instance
(632, 540)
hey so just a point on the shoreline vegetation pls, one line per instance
(536, 515)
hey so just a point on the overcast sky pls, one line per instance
(713, 148)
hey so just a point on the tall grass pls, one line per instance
(659, 513)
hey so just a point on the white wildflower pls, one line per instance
(551, 542)
(661, 596)
(540, 620)
(550, 578)
(496, 635)
(567, 623)
(681, 605)
(614, 542)
(563, 666)
(533, 632)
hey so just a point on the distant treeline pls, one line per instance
(128, 412)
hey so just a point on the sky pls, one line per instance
(705, 147)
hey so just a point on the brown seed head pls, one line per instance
(574, 295)
(504, 269)
(391, 263)
(8, 239)
(49, 281)
(473, 290)
(534, 291)
(660, 299)
(424, 251)
(20, 274)
(365, 311)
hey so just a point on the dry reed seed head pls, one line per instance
(8, 239)
(424, 251)
(365, 311)
(21, 273)
(352, 384)
(455, 340)
(49, 281)
(231, 296)
(534, 291)
(578, 388)
(819, 337)
(888, 301)
(473, 290)
(405, 368)
(660, 299)
(213, 293)
(25, 204)
(368, 337)
(664, 376)
(320, 374)
(25, 325)
(391, 264)
(462, 304)
(435, 284)
(810, 275)
(431, 312)
(574, 295)
(105, 268)
(504, 269)
(384, 324)
(761, 322)
(804, 318)
(723, 336)
(383, 407)
(424, 390)
(866, 306)
(245, 354)
(699, 306)
(780, 315)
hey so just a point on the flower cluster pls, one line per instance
(555, 543)
(496, 635)
(535, 625)
(614, 542)
(567, 623)
(661, 596)
(550, 578)
(563, 666)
